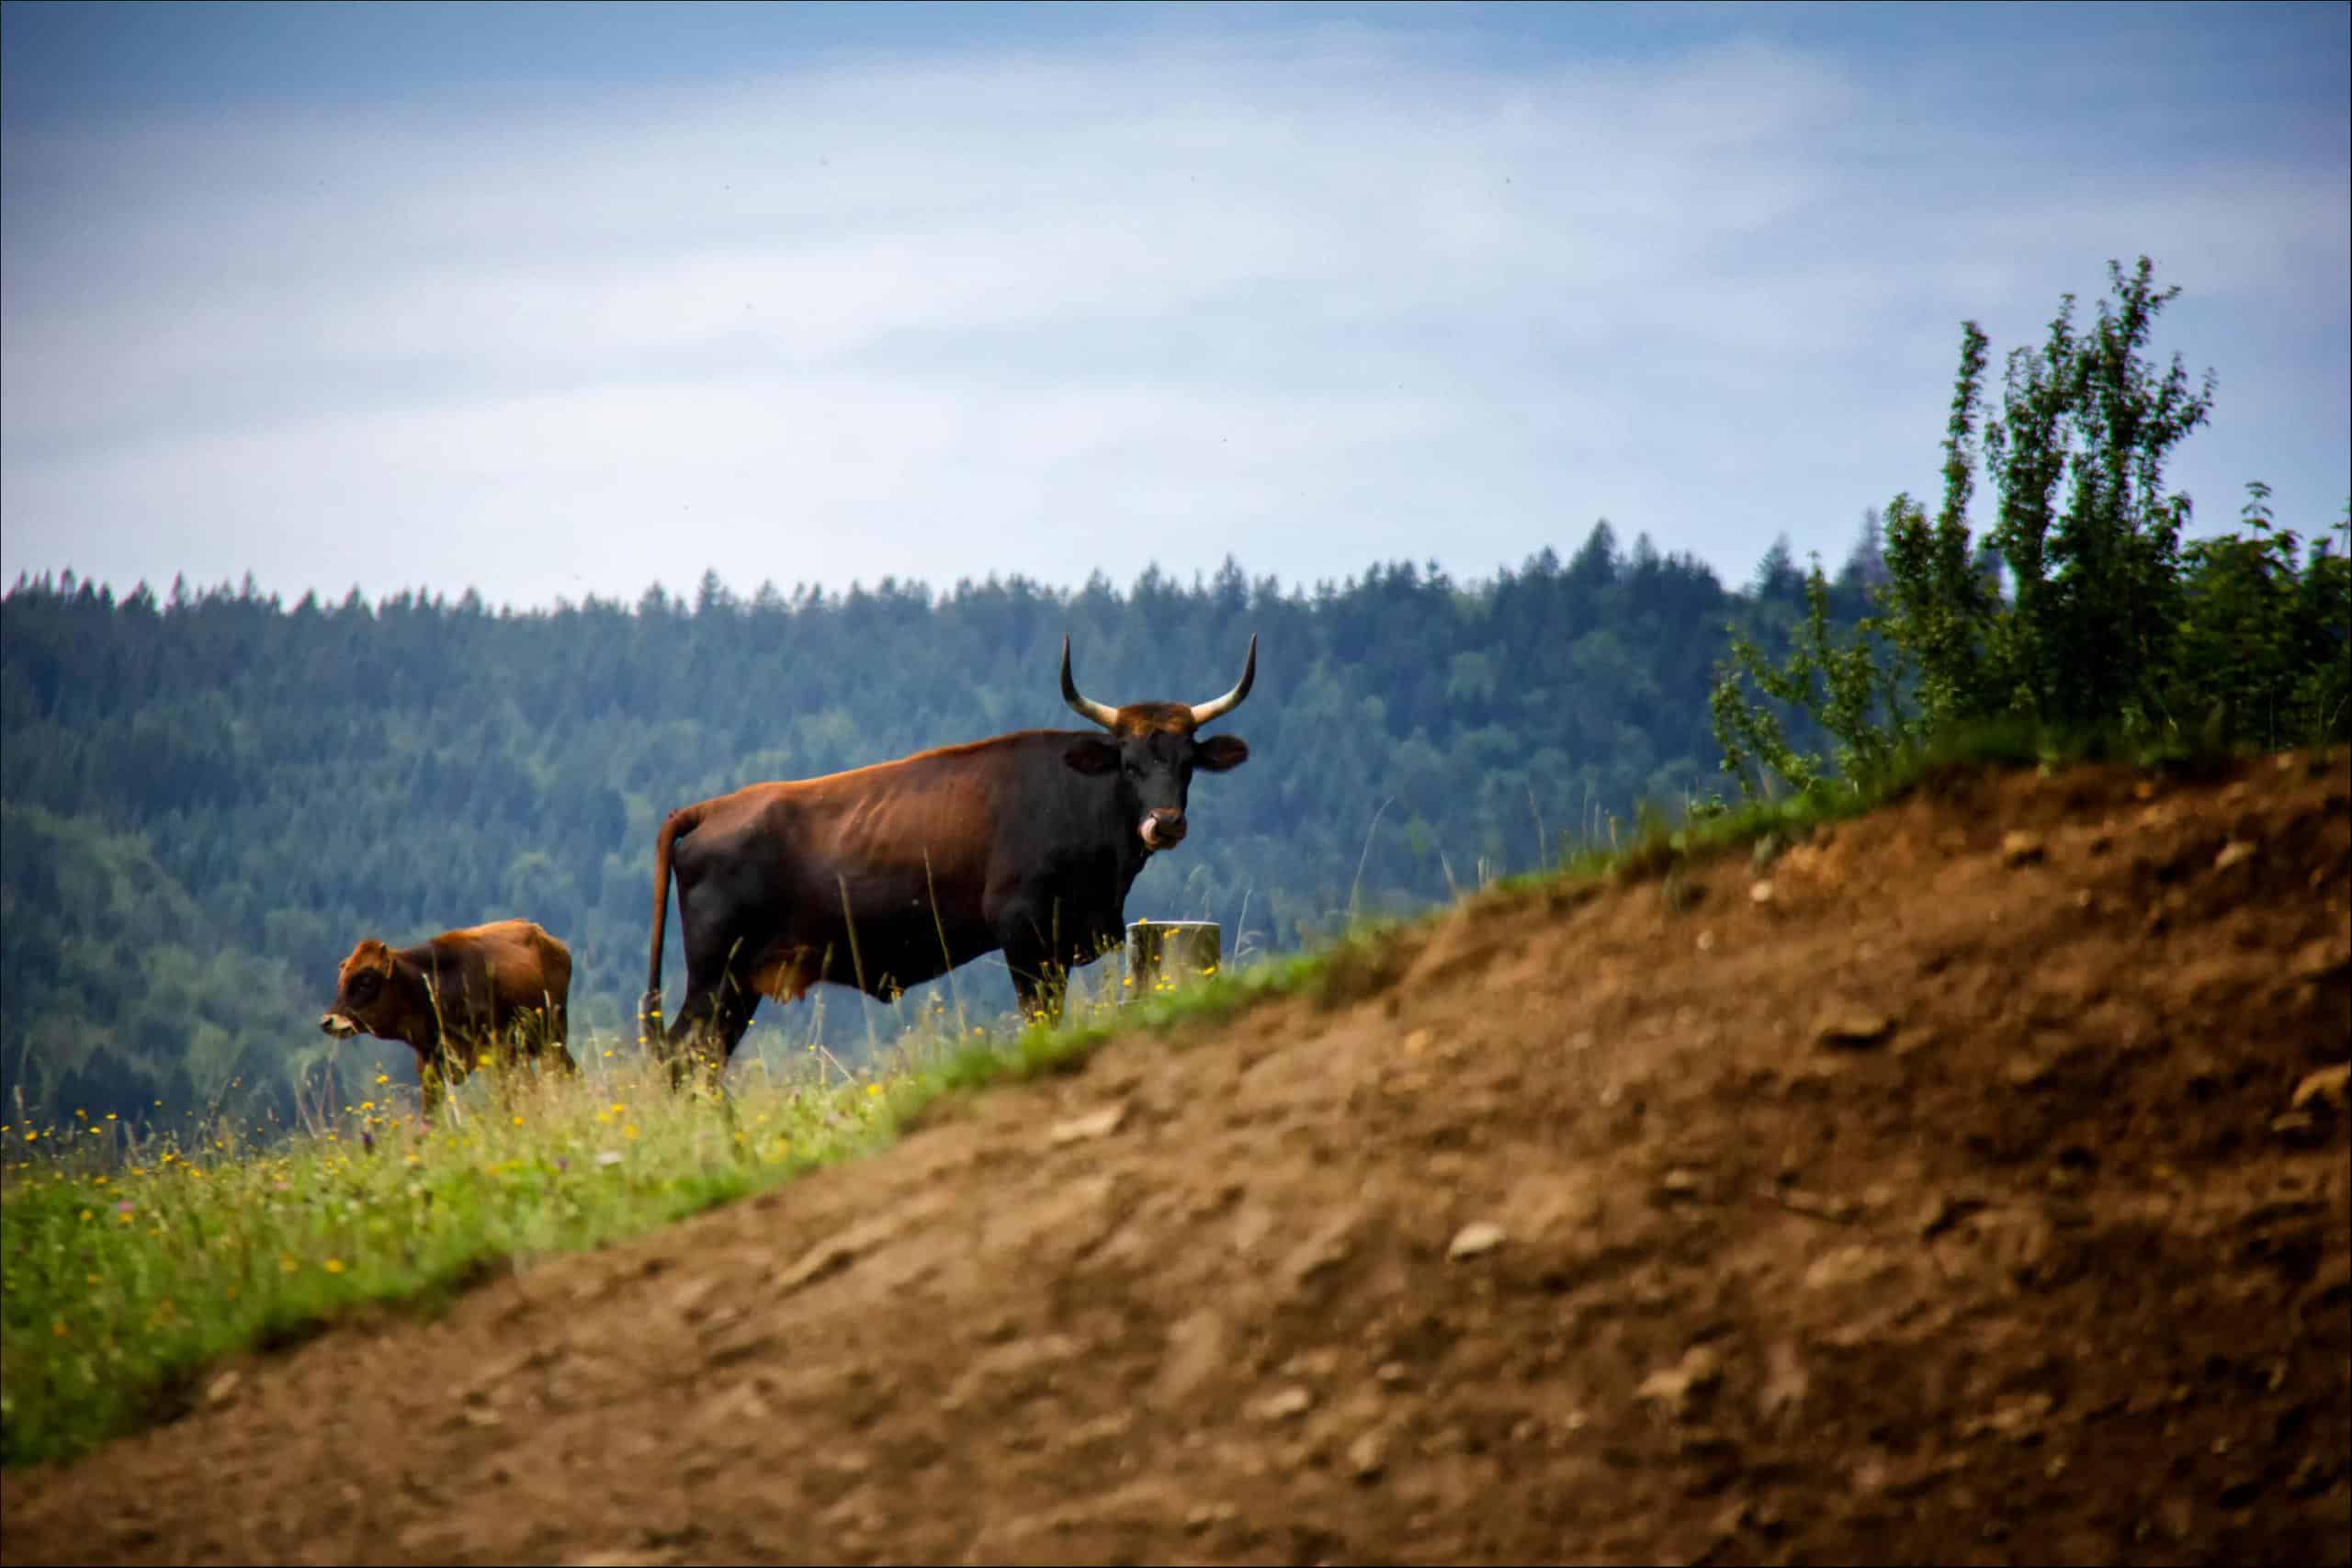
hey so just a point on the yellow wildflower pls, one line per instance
(334, 1266)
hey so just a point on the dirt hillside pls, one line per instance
(1968, 1185)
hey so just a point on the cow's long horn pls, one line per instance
(1108, 718)
(1204, 712)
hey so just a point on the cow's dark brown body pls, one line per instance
(498, 989)
(885, 877)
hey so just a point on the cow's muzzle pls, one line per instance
(335, 1023)
(1163, 829)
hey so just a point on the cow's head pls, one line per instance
(368, 997)
(1151, 751)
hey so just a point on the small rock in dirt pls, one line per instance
(1479, 1235)
(1759, 893)
(1851, 1029)
(2325, 1088)
(1391, 1373)
(1699, 1371)
(2233, 853)
(1094, 1124)
(218, 1390)
(1804, 1200)
(2020, 848)
(1706, 941)
(1679, 1183)
(2025, 1071)
(1205, 1515)
(1322, 1362)
(2017, 1417)
(1418, 1042)
(1368, 1455)
(1853, 1265)
(1785, 1380)
(1946, 1212)
(1283, 1405)
(1196, 1351)
(2320, 958)
(2297, 1128)
(2311, 1477)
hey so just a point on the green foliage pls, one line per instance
(2111, 625)
(2262, 642)
(1853, 688)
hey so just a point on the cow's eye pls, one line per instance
(365, 987)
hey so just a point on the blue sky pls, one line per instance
(551, 299)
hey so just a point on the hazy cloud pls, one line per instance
(1307, 298)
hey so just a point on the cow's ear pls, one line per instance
(1091, 757)
(1219, 752)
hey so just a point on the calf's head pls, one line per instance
(368, 998)
(1151, 749)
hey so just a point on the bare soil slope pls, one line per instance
(1950, 1203)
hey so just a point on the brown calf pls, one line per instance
(487, 990)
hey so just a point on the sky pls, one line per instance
(547, 301)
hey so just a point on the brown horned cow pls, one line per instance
(885, 877)
(496, 989)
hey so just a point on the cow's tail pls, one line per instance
(677, 824)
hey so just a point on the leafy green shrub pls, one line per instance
(2112, 622)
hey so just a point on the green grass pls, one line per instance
(128, 1264)
(132, 1264)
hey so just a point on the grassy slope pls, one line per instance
(130, 1265)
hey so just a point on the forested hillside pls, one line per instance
(210, 799)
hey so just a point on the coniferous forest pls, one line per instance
(211, 795)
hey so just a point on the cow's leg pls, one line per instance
(1038, 983)
(431, 1082)
(544, 1041)
(711, 1020)
(558, 1036)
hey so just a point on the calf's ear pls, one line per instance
(1219, 752)
(1093, 757)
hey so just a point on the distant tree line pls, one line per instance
(211, 796)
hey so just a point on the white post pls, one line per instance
(1163, 954)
